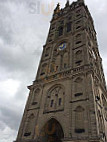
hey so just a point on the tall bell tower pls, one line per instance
(68, 99)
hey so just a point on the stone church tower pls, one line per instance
(68, 99)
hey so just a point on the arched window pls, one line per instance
(29, 125)
(57, 63)
(47, 52)
(52, 101)
(78, 57)
(60, 31)
(35, 96)
(69, 27)
(65, 60)
(78, 80)
(52, 67)
(55, 99)
(78, 86)
(79, 120)
(44, 69)
(60, 101)
(79, 52)
(78, 36)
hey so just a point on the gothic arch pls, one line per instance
(55, 98)
(78, 52)
(44, 69)
(65, 60)
(29, 125)
(47, 51)
(78, 86)
(35, 96)
(51, 131)
(78, 80)
(56, 85)
(78, 35)
(78, 55)
(57, 63)
(79, 119)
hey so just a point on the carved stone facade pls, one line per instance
(68, 99)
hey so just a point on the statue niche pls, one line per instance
(35, 98)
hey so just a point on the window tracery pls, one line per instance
(55, 99)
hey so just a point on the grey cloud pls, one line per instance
(99, 12)
(14, 61)
(10, 118)
(19, 56)
(2, 125)
(5, 32)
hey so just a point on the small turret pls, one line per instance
(67, 3)
(57, 9)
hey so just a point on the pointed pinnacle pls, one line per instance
(67, 3)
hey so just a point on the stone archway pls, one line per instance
(52, 132)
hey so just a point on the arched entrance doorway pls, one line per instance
(51, 132)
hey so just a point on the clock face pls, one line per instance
(62, 46)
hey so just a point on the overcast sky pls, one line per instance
(24, 27)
